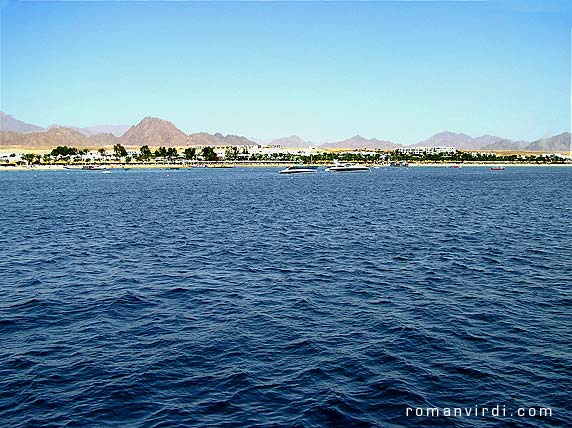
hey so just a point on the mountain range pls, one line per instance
(359, 142)
(466, 142)
(116, 130)
(55, 136)
(158, 132)
(150, 131)
(9, 123)
(290, 142)
(556, 143)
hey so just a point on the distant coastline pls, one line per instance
(156, 132)
(62, 157)
(225, 165)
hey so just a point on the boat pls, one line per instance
(298, 169)
(498, 168)
(86, 167)
(347, 167)
(455, 166)
(399, 164)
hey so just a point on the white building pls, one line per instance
(425, 150)
(10, 157)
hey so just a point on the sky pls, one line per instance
(395, 70)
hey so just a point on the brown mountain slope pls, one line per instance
(46, 140)
(10, 139)
(154, 132)
(556, 143)
(205, 139)
(10, 123)
(103, 139)
(453, 139)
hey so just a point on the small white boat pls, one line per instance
(94, 168)
(86, 167)
(298, 169)
(398, 164)
(347, 167)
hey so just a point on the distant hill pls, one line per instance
(73, 128)
(55, 136)
(154, 132)
(359, 142)
(557, 143)
(292, 142)
(11, 139)
(451, 139)
(103, 139)
(466, 142)
(9, 123)
(205, 139)
(117, 130)
(487, 140)
(237, 140)
(158, 132)
(505, 144)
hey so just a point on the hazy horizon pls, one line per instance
(400, 71)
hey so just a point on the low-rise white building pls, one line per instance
(425, 150)
(10, 157)
(94, 155)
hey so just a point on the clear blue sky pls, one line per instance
(325, 71)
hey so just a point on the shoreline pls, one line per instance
(230, 165)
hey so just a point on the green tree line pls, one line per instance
(145, 154)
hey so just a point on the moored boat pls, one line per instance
(399, 164)
(498, 168)
(347, 167)
(298, 169)
(85, 167)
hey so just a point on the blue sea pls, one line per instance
(244, 298)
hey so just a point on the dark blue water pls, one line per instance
(242, 298)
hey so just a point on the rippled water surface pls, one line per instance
(243, 298)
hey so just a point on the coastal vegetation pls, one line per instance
(145, 155)
(457, 157)
(119, 151)
(209, 154)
